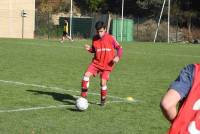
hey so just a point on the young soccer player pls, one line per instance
(65, 32)
(103, 47)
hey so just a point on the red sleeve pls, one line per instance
(117, 46)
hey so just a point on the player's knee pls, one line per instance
(103, 83)
(87, 74)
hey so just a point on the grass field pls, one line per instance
(39, 79)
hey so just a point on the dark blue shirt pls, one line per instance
(184, 81)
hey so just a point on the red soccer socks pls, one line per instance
(85, 85)
(103, 95)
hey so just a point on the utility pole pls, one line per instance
(23, 15)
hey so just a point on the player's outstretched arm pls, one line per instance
(89, 48)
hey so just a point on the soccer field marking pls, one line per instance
(34, 108)
(47, 107)
(118, 101)
(62, 89)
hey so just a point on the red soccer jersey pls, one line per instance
(188, 118)
(104, 51)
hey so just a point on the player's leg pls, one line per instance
(169, 104)
(69, 37)
(103, 91)
(86, 79)
(85, 84)
(63, 37)
(104, 79)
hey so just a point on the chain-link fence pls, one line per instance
(48, 25)
(180, 30)
(44, 26)
(140, 28)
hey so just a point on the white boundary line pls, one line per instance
(119, 100)
(34, 108)
(60, 89)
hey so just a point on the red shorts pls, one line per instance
(104, 74)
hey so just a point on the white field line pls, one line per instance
(119, 100)
(34, 108)
(47, 107)
(61, 89)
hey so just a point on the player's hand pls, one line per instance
(87, 47)
(116, 59)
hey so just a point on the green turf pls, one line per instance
(144, 72)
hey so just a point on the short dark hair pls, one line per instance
(99, 25)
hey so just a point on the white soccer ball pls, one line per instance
(81, 104)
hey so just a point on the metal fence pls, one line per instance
(51, 27)
(44, 26)
(47, 26)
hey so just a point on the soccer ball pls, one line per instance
(81, 104)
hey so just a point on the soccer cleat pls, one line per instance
(103, 95)
(103, 101)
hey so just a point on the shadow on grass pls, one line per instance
(65, 98)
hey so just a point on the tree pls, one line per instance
(94, 5)
(147, 4)
(44, 7)
(183, 12)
